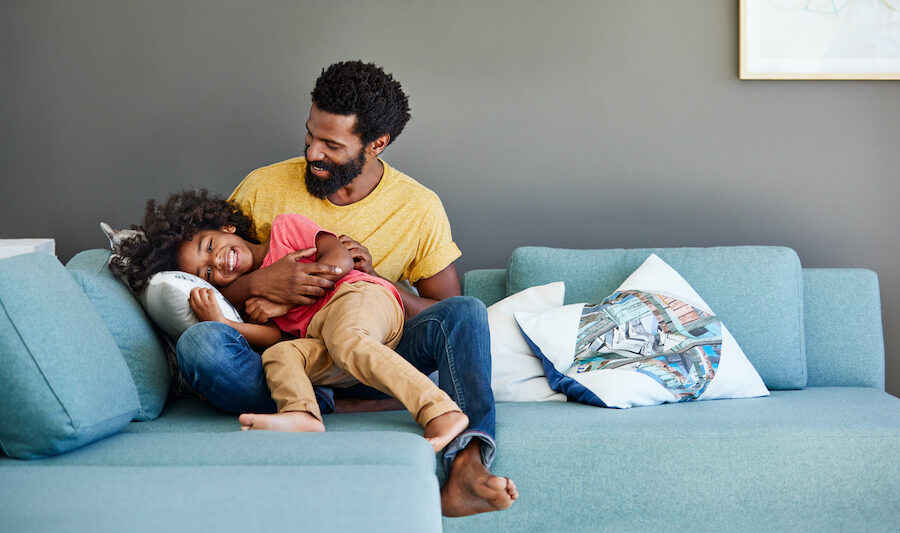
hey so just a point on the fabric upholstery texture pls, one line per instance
(129, 325)
(843, 304)
(755, 290)
(236, 448)
(780, 463)
(207, 498)
(64, 381)
(489, 285)
(179, 469)
(820, 459)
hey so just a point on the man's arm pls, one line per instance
(286, 281)
(442, 285)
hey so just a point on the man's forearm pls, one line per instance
(413, 304)
(287, 281)
(444, 284)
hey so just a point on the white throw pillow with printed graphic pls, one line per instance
(652, 341)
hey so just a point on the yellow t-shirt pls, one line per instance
(401, 222)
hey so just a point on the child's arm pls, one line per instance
(330, 251)
(260, 310)
(203, 303)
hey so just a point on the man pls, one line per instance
(342, 184)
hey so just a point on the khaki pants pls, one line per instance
(351, 340)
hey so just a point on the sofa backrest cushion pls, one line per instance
(755, 290)
(132, 329)
(64, 381)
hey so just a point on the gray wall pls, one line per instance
(573, 124)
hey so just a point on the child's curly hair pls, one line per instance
(166, 226)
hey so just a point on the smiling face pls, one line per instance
(218, 256)
(335, 154)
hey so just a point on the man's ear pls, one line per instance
(378, 145)
(228, 228)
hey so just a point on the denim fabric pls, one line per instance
(451, 337)
(218, 363)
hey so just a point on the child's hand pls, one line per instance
(362, 260)
(203, 303)
(260, 310)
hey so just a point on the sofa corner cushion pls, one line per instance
(64, 381)
(94, 261)
(756, 290)
(131, 328)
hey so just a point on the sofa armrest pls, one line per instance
(844, 336)
(488, 285)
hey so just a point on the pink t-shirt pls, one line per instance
(291, 233)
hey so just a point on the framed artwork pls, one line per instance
(820, 39)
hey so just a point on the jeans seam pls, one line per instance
(451, 363)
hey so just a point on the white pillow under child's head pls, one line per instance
(167, 300)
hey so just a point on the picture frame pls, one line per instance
(820, 39)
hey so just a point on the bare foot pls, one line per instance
(286, 421)
(440, 430)
(472, 489)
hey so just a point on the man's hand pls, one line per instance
(260, 310)
(289, 281)
(362, 260)
(204, 305)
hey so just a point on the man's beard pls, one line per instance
(340, 175)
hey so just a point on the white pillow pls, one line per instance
(517, 375)
(620, 354)
(166, 300)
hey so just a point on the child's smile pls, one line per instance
(218, 256)
(232, 258)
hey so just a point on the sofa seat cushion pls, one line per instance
(191, 415)
(141, 347)
(192, 469)
(235, 448)
(64, 381)
(756, 290)
(819, 459)
(339, 497)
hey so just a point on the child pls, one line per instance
(346, 337)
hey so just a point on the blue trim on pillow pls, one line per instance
(562, 383)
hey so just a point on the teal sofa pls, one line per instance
(821, 453)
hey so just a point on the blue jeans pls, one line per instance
(451, 337)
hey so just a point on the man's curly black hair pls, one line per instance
(364, 90)
(169, 224)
